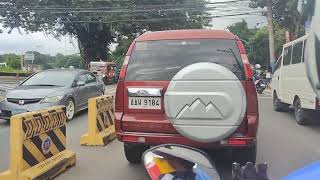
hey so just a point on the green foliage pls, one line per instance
(243, 32)
(257, 41)
(97, 29)
(13, 61)
(70, 60)
(286, 15)
(11, 70)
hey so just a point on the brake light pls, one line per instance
(245, 60)
(119, 104)
(247, 67)
(241, 47)
(317, 103)
(237, 142)
(124, 68)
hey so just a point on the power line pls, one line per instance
(55, 7)
(104, 11)
(140, 20)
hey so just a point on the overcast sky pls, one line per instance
(46, 44)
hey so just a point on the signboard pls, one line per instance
(29, 57)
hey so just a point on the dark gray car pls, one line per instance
(69, 87)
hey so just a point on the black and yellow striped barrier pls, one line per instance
(101, 128)
(38, 145)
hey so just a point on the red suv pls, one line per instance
(191, 87)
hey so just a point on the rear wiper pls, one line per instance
(236, 58)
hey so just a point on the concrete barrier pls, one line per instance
(101, 128)
(38, 145)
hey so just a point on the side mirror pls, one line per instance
(312, 51)
(179, 161)
(81, 83)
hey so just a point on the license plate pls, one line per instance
(144, 103)
(18, 111)
(262, 85)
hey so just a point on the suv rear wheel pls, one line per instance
(244, 155)
(299, 112)
(278, 105)
(134, 152)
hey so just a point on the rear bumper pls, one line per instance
(158, 139)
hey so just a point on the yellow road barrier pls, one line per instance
(38, 145)
(100, 122)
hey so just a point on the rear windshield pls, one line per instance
(161, 60)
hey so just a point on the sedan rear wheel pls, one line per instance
(70, 109)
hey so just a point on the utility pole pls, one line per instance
(271, 34)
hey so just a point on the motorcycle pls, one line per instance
(179, 162)
(260, 85)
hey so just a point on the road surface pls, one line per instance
(9, 82)
(282, 143)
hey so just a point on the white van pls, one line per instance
(290, 84)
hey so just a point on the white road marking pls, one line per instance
(109, 91)
(263, 97)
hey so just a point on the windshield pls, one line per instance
(50, 78)
(161, 60)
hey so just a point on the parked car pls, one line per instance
(191, 87)
(69, 87)
(290, 84)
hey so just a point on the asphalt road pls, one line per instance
(282, 143)
(9, 82)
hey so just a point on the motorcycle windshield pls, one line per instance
(166, 166)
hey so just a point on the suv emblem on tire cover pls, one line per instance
(205, 102)
(198, 109)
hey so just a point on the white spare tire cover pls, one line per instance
(205, 102)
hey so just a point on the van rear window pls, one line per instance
(161, 60)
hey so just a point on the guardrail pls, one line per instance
(38, 145)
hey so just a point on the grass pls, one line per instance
(11, 70)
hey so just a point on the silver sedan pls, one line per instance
(69, 87)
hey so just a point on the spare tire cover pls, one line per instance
(205, 102)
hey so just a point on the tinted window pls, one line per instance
(287, 55)
(90, 78)
(52, 78)
(297, 52)
(278, 65)
(82, 78)
(161, 60)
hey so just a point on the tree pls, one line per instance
(13, 61)
(70, 60)
(96, 24)
(285, 14)
(260, 43)
(243, 32)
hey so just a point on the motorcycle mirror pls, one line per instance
(312, 51)
(178, 162)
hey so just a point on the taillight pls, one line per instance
(124, 68)
(247, 67)
(245, 60)
(119, 104)
(317, 103)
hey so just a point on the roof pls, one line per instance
(186, 34)
(65, 70)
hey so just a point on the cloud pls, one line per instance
(46, 44)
